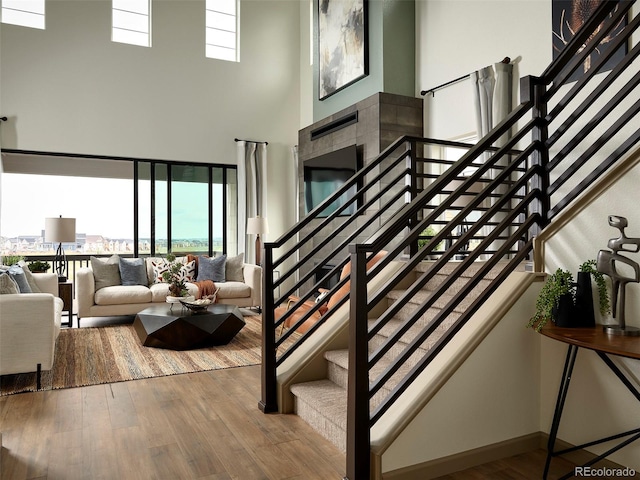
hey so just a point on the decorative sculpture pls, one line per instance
(607, 264)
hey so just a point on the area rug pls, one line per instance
(90, 356)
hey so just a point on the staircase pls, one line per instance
(487, 208)
(323, 403)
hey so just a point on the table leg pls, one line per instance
(562, 395)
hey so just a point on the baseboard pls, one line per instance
(468, 459)
(490, 453)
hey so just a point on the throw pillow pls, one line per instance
(188, 271)
(7, 284)
(133, 271)
(233, 268)
(211, 268)
(17, 274)
(106, 272)
(159, 266)
(29, 276)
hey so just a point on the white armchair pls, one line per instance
(29, 327)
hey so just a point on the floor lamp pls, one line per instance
(257, 226)
(60, 230)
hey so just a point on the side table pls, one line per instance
(595, 339)
(65, 291)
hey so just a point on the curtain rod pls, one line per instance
(456, 80)
(252, 141)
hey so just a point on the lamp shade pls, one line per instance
(60, 230)
(257, 226)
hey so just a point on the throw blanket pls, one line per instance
(207, 288)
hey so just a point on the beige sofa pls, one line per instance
(29, 327)
(119, 300)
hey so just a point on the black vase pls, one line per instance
(584, 315)
(563, 311)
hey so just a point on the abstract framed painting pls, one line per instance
(342, 44)
(568, 16)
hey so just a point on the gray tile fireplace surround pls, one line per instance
(380, 120)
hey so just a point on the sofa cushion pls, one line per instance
(233, 290)
(122, 295)
(233, 268)
(106, 271)
(7, 284)
(212, 268)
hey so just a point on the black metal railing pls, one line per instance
(485, 208)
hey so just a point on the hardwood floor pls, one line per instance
(202, 425)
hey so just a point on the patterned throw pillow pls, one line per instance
(187, 272)
(159, 267)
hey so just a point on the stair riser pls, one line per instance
(328, 429)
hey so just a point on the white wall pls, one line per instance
(455, 38)
(70, 89)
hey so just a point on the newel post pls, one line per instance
(532, 89)
(358, 434)
(269, 401)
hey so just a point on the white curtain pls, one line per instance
(483, 82)
(252, 189)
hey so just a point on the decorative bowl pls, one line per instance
(197, 305)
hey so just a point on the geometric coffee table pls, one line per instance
(158, 326)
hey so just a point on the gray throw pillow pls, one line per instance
(7, 284)
(29, 276)
(233, 268)
(211, 268)
(106, 272)
(133, 271)
(17, 274)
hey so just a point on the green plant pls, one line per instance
(561, 283)
(174, 278)
(603, 293)
(429, 233)
(11, 259)
(38, 266)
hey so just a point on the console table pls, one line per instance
(593, 338)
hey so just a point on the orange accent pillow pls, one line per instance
(346, 270)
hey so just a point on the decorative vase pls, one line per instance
(563, 311)
(584, 315)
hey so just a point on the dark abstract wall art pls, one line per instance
(342, 44)
(567, 18)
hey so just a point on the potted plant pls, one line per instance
(38, 266)
(175, 279)
(10, 260)
(569, 303)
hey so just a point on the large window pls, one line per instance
(26, 13)
(131, 22)
(221, 40)
(135, 207)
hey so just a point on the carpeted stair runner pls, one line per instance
(323, 403)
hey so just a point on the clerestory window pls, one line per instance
(221, 39)
(26, 13)
(131, 22)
